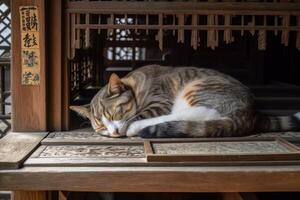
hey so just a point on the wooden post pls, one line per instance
(54, 65)
(239, 196)
(28, 101)
(22, 195)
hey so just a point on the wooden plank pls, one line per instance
(84, 154)
(132, 152)
(28, 102)
(218, 150)
(16, 147)
(243, 8)
(75, 137)
(29, 195)
(154, 179)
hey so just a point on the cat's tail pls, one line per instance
(278, 123)
(211, 128)
(223, 127)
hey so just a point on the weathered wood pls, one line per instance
(60, 149)
(29, 102)
(88, 155)
(90, 137)
(218, 150)
(154, 179)
(29, 195)
(16, 147)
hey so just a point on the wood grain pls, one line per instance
(276, 149)
(16, 147)
(154, 179)
(29, 195)
(54, 64)
(248, 8)
(29, 102)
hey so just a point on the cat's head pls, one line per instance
(111, 109)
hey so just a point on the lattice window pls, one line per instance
(5, 29)
(81, 71)
(5, 43)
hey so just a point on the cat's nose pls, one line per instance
(116, 133)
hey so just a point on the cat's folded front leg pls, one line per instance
(134, 128)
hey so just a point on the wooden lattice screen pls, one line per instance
(193, 23)
(5, 44)
(5, 29)
(217, 19)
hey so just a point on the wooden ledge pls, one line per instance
(154, 179)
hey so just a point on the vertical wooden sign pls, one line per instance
(30, 45)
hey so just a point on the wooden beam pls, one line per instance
(240, 8)
(28, 102)
(154, 179)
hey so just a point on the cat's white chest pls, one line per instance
(180, 104)
(181, 110)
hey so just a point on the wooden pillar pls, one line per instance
(28, 102)
(29, 195)
(54, 54)
(238, 196)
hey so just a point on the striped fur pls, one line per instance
(156, 101)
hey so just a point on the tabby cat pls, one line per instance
(157, 101)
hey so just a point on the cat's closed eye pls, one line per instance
(118, 109)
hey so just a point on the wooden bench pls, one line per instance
(72, 161)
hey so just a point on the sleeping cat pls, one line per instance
(157, 101)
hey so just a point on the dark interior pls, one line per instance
(272, 74)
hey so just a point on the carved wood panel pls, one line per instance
(91, 149)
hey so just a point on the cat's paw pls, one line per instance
(133, 129)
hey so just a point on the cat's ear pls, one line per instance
(84, 110)
(115, 85)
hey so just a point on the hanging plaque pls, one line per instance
(30, 45)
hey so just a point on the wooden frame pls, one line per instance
(152, 156)
(138, 152)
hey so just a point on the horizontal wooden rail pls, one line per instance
(205, 8)
(5, 116)
(186, 27)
